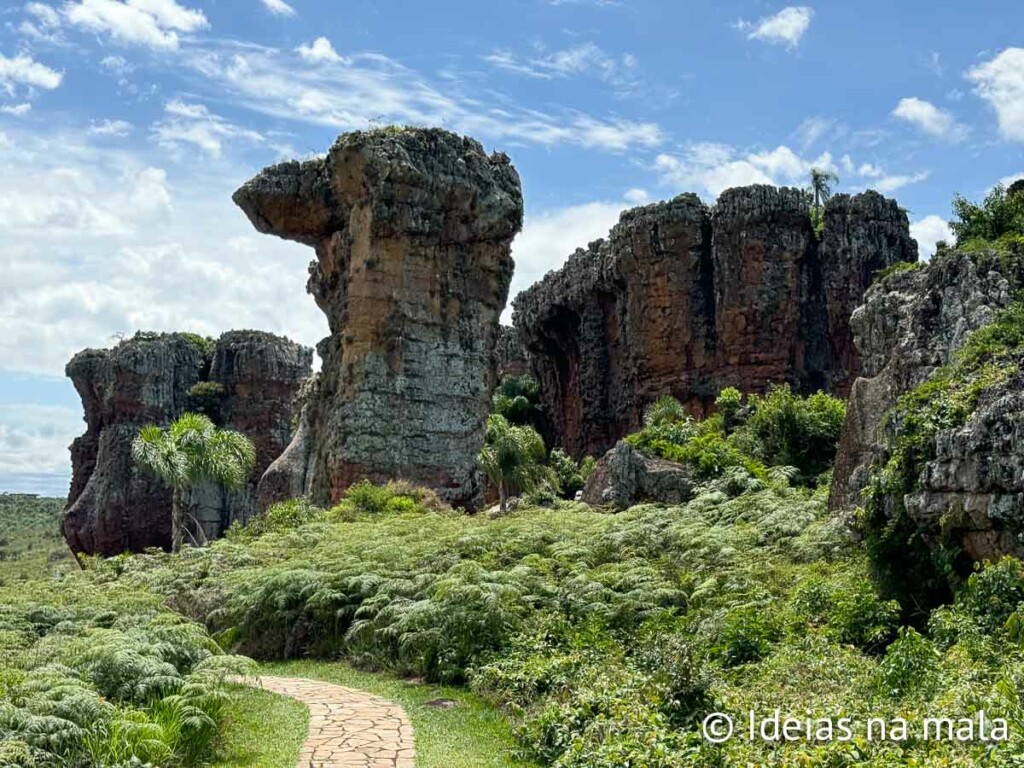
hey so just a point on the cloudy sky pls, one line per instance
(126, 124)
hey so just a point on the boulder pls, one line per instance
(624, 477)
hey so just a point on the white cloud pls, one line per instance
(34, 442)
(812, 130)
(1008, 180)
(195, 124)
(24, 70)
(320, 50)
(786, 27)
(930, 119)
(714, 167)
(148, 23)
(636, 196)
(883, 181)
(583, 59)
(928, 232)
(96, 242)
(17, 110)
(371, 87)
(1001, 83)
(278, 7)
(45, 14)
(110, 128)
(549, 238)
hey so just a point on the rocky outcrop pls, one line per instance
(245, 381)
(412, 231)
(624, 477)
(909, 324)
(975, 484)
(684, 299)
(510, 358)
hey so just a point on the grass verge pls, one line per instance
(261, 730)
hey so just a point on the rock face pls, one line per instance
(975, 484)
(412, 232)
(245, 381)
(510, 358)
(624, 477)
(909, 324)
(685, 300)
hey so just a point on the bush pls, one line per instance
(910, 666)
(571, 475)
(993, 593)
(517, 398)
(748, 634)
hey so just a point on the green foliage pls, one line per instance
(997, 223)
(747, 634)
(105, 677)
(191, 451)
(910, 665)
(993, 593)
(205, 398)
(899, 266)
(512, 458)
(571, 475)
(903, 562)
(781, 430)
(517, 398)
(789, 430)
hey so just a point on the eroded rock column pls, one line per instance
(412, 231)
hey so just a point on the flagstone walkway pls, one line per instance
(347, 728)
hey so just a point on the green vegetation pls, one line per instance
(779, 430)
(205, 397)
(260, 730)
(518, 400)
(818, 193)
(31, 544)
(464, 731)
(189, 452)
(100, 674)
(905, 566)
(605, 638)
(996, 224)
(512, 458)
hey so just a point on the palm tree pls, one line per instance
(821, 186)
(189, 452)
(512, 458)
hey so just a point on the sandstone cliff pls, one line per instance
(412, 231)
(684, 299)
(245, 381)
(911, 323)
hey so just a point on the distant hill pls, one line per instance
(31, 544)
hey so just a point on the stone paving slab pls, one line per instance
(347, 728)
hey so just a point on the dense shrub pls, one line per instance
(781, 429)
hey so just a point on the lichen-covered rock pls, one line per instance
(909, 324)
(412, 231)
(975, 484)
(685, 300)
(245, 381)
(624, 477)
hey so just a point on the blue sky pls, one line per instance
(126, 124)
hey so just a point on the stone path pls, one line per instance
(347, 728)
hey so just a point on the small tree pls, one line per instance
(189, 452)
(820, 192)
(728, 403)
(512, 458)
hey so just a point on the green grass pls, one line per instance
(472, 734)
(261, 730)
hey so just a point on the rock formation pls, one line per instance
(685, 300)
(412, 231)
(245, 381)
(624, 477)
(909, 324)
(510, 359)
